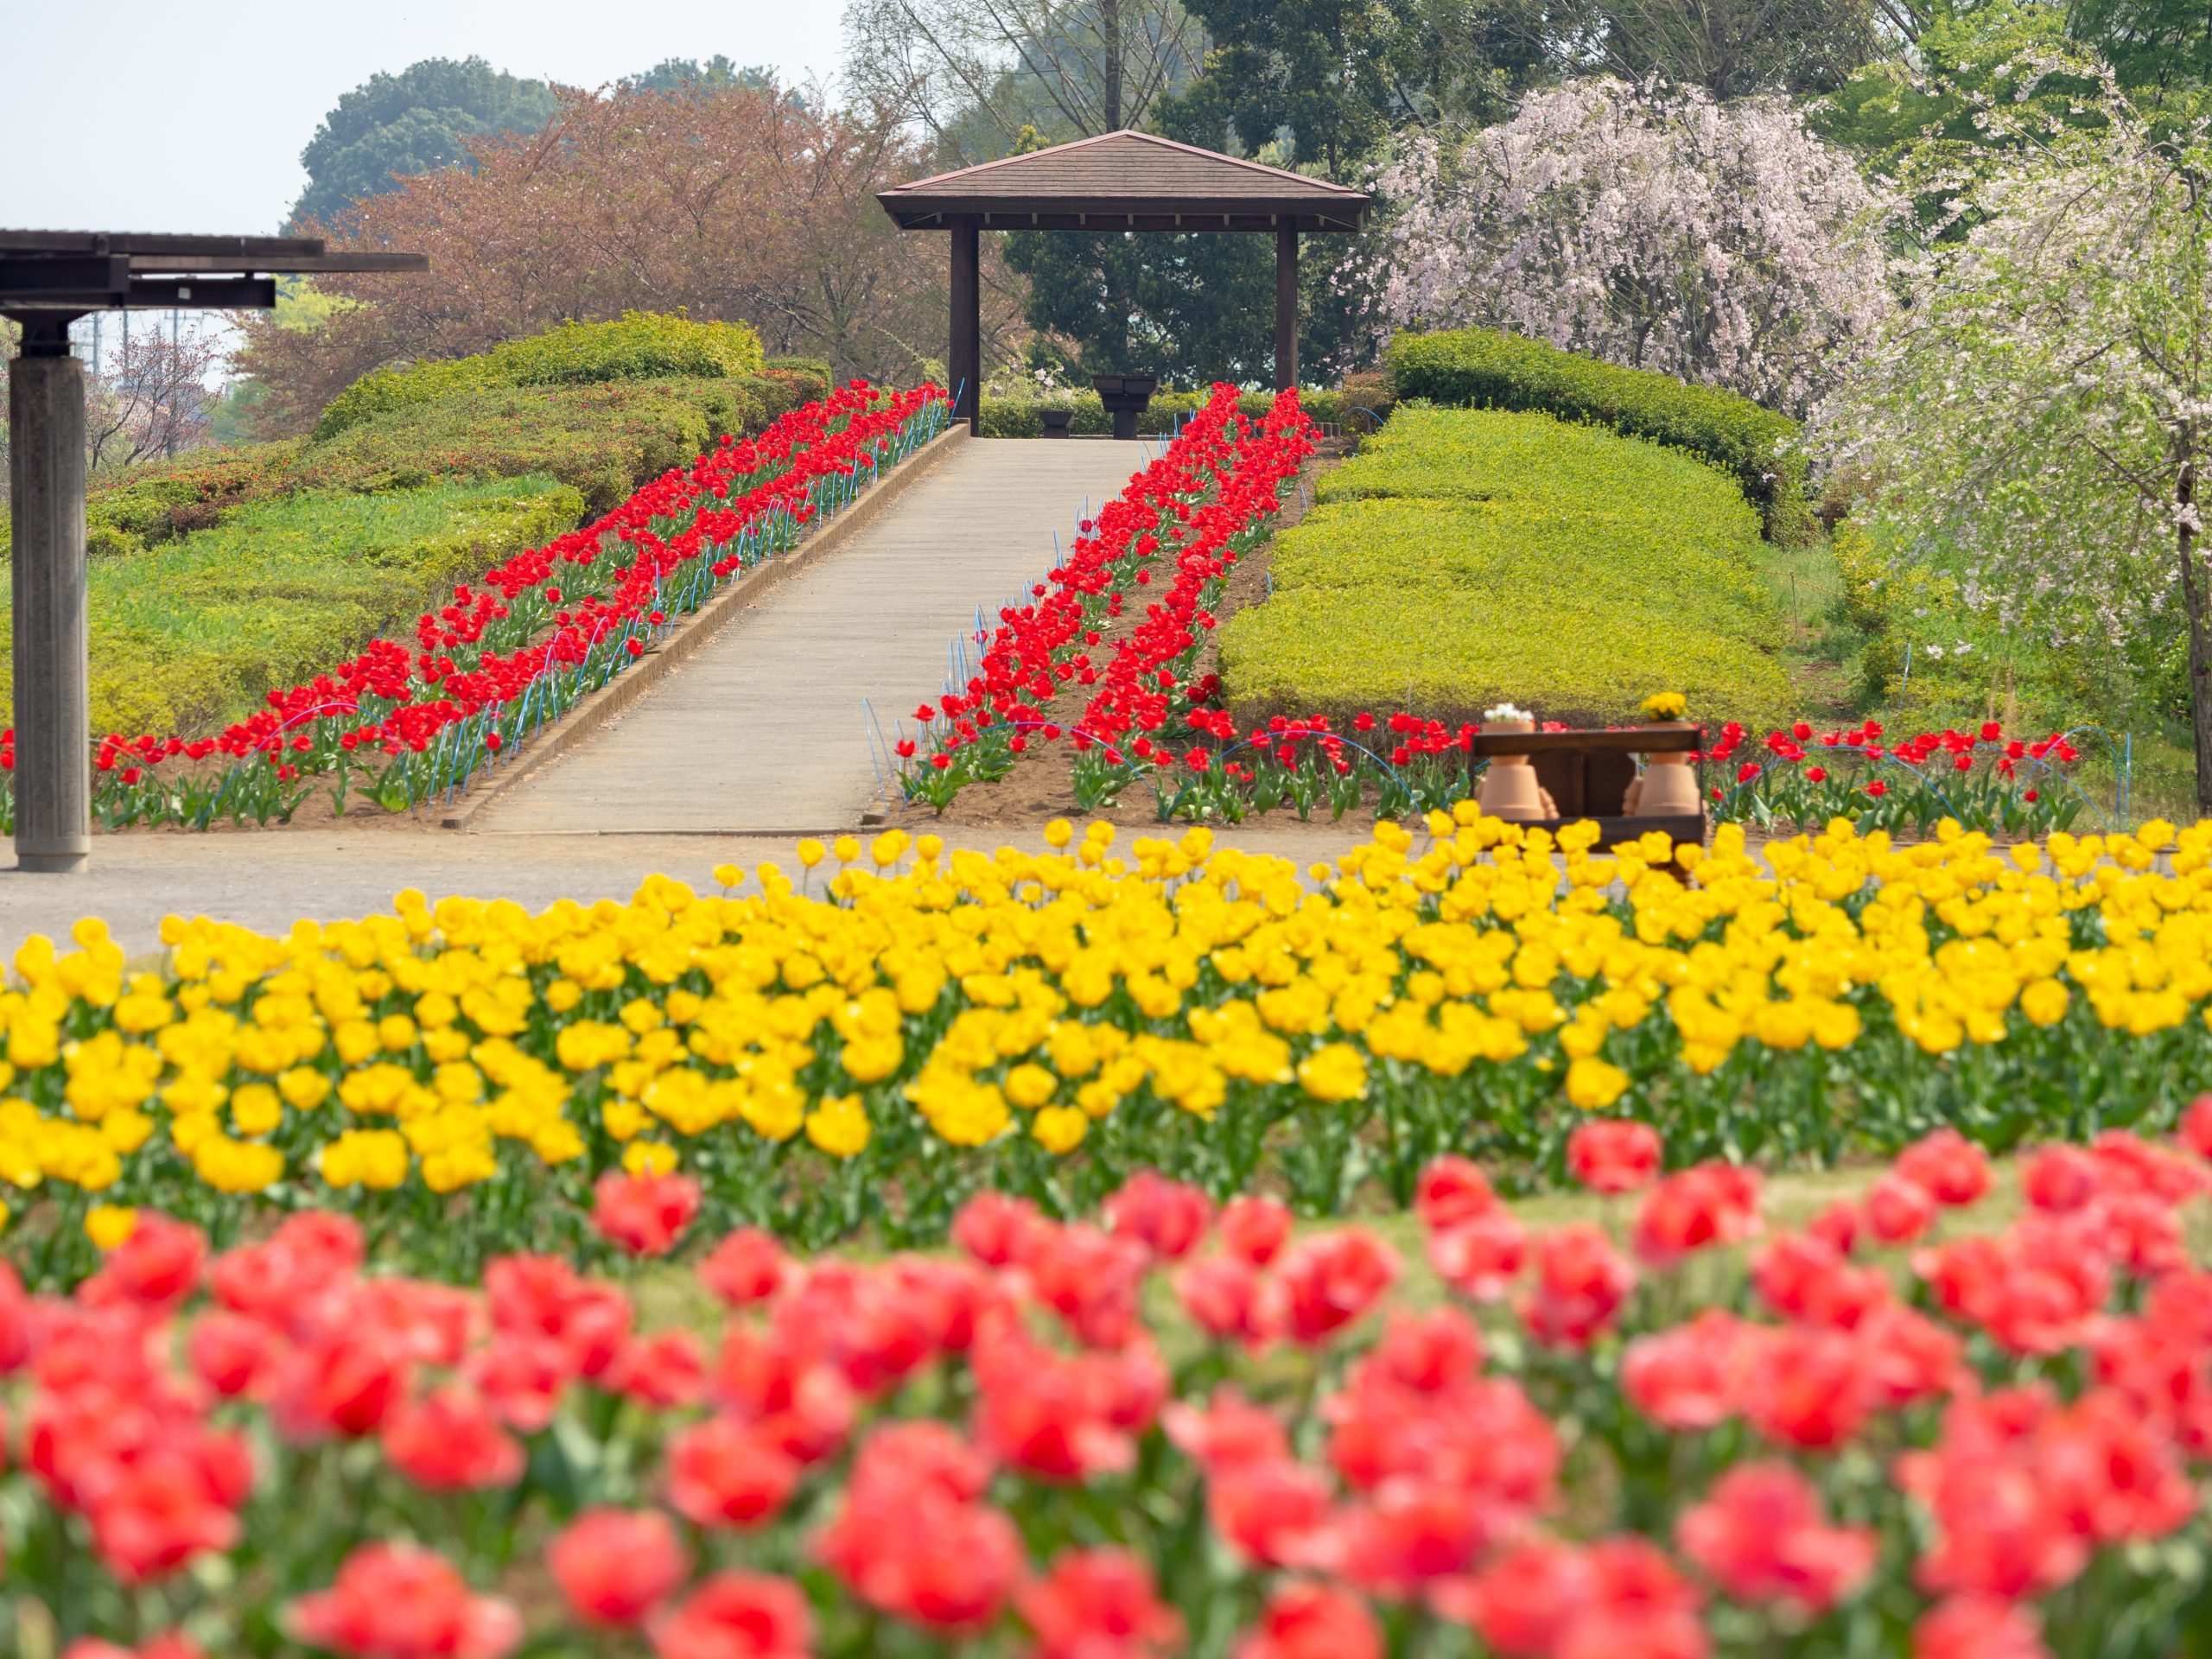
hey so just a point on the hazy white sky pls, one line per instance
(190, 115)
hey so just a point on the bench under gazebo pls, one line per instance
(1118, 181)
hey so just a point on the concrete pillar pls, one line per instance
(1285, 308)
(53, 667)
(965, 366)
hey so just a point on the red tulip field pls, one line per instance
(1964, 1416)
(400, 727)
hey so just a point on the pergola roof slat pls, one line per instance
(290, 264)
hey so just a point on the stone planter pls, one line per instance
(1125, 396)
(1058, 422)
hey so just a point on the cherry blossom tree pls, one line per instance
(1723, 243)
(2040, 413)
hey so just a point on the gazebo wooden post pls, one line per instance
(1286, 305)
(966, 367)
(53, 744)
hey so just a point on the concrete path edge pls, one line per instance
(689, 634)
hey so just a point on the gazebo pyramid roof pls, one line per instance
(1126, 180)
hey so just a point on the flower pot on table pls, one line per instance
(1509, 787)
(1668, 788)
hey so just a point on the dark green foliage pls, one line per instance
(1335, 76)
(1484, 368)
(2162, 46)
(1190, 309)
(412, 121)
(1022, 417)
(640, 346)
(688, 74)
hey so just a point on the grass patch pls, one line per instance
(1465, 556)
(189, 633)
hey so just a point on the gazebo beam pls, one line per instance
(1285, 307)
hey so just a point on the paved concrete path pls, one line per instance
(269, 879)
(761, 731)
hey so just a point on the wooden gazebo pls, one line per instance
(1118, 181)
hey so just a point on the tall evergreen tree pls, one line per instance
(391, 126)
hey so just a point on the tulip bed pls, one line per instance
(1152, 716)
(395, 728)
(859, 1054)
(1983, 778)
(1910, 1426)
(1189, 516)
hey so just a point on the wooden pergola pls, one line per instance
(1118, 181)
(47, 280)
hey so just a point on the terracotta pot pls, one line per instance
(1669, 788)
(1510, 788)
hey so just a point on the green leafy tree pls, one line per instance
(1191, 309)
(1316, 73)
(393, 126)
(686, 75)
(975, 74)
(2156, 47)
(1331, 78)
(1933, 116)
(1731, 48)
(2038, 418)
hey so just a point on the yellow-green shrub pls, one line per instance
(641, 345)
(1465, 557)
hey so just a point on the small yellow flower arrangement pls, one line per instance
(1666, 705)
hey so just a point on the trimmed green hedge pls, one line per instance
(1466, 557)
(1484, 368)
(189, 633)
(603, 440)
(640, 346)
(1023, 417)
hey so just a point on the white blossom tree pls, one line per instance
(1723, 243)
(2040, 411)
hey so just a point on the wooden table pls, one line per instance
(1588, 774)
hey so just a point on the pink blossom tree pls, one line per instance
(1723, 243)
(2040, 415)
